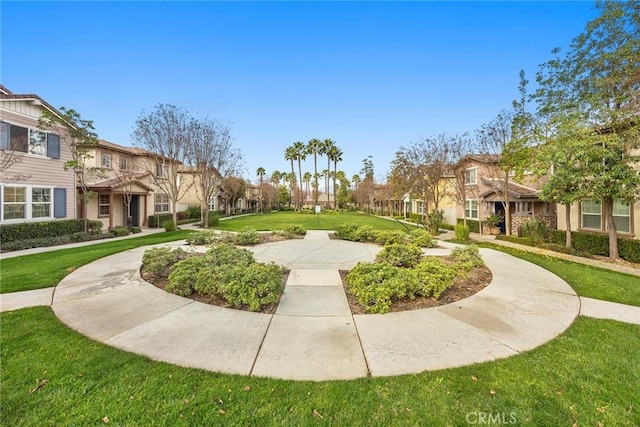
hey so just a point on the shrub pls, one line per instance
(346, 231)
(136, 230)
(248, 236)
(473, 224)
(433, 221)
(414, 217)
(255, 285)
(389, 237)
(629, 249)
(376, 285)
(182, 278)
(535, 229)
(203, 237)
(400, 255)
(466, 257)
(214, 218)
(435, 276)
(423, 239)
(224, 254)
(182, 215)
(120, 231)
(194, 212)
(169, 225)
(462, 232)
(365, 233)
(19, 245)
(46, 229)
(156, 220)
(290, 231)
(159, 260)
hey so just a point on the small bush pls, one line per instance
(225, 254)
(473, 224)
(290, 231)
(376, 285)
(535, 229)
(389, 237)
(194, 212)
(182, 215)
(155, 221)
(248, 236)
(435, 276)
(203, 237)
(159, 260)
(433, 221)
(214, 218)
(466, 257)
(182, 278)
(365, 233)
(400, 255)
(255, 285)
(136, 230)
(629, 249)
(346, 231)
(462, 232)
(420, 237)
(120, 231)
(169, 225)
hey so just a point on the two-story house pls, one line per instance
(34, 185)
(486, 194)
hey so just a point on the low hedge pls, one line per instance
(155, 221)
(473, 224)
(42, 242)
(46, 229)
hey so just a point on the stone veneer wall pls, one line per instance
(518, 220)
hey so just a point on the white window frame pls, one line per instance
(467, 176)
(162, 170)
(627, 216)
(104, 201)
(468, 209)
(46, 204)
(123, 163)
(590, 213)
(28, 203)
(161, 203)
(36, 143)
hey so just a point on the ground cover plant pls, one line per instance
(224, 275)
(246, 236)
(366, 233)
(46, 269)
(402, 271)
(52, 375)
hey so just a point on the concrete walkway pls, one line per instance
(313, 335)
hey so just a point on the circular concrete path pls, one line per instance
(313, 335)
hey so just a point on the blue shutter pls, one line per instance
(53, 145)
(59, 202)
(4, 136)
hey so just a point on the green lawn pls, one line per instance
(587, 281)
(46, 269)
(588, 375)
(325, 221)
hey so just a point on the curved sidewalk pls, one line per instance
(312, 335)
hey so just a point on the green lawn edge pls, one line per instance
(42, 270)
(52, 375)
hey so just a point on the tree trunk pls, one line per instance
(507, 206)
(611, 226)
(567, 214)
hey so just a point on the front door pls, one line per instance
(135, 211)
(500, 211)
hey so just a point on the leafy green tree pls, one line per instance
(80, 138)
(595, 86)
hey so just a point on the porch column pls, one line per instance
(110, 210)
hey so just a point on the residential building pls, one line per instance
(34, 185)
(485, 194)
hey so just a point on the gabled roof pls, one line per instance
(478, 157)
(120, 181)
(6, 94)
(516, 190)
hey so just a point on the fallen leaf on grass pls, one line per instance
(105, 420)
(39, 386)
(473, 377)
(601, 409)
(247, 388)
(222, 412)
(492, 392)
(317, 414)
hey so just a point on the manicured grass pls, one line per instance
(46, 269)
(266, 222)
(587, 376)
(586, 280)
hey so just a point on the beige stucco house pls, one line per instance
(33, 183)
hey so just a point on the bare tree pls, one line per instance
(80, 138)
(214, 159)
(167, 133)
(233, 189)
(8, 159)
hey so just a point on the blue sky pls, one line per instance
(372, 76)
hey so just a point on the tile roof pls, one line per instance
(516, 190)
(119, 181)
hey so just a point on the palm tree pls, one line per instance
(300, 155)
(314, 147)
(356, 180)
(326, 173)
(290, 154)
(261, 172)
(336, 155)
(307, 180)
(327, 147)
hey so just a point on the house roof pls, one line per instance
(120, 181)
(6, 94)
(477, 157)
(516, 190)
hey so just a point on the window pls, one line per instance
(162, 170)
(471, 209)
(26, 140)
(124, 163)
(591, 214)
(161, 203)
(106, 160)
(14, 203)
(622, 216)
(41, 203)
(27, 202)
(103, 204)
(471, 176)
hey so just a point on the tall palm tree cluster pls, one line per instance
(296, 154)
